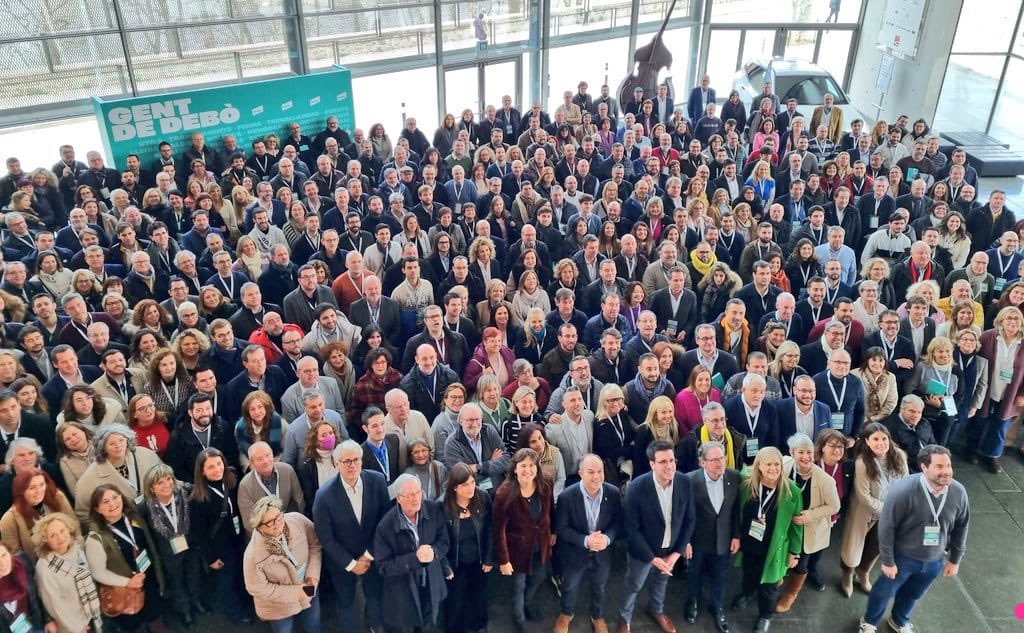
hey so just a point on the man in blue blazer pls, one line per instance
(752, 416)
(801, 412)
(346, 512)
(844, 395)
(257, 375)
(700, 97)
(659, 521)
(588, 519)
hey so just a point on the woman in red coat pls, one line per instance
(522, 532)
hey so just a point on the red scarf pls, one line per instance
(925, 274)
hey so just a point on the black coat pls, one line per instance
(394, 550)
(725, 522)
(212, 526)
(572, 528)
(343, 538)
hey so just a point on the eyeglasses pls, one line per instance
(835, 445)
(355, 461)
(269, 522)
(714, 460)
(146, 407)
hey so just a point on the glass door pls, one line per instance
(483, 83)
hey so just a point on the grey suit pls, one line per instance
(291, 401)
(457, 449)
(711, 553)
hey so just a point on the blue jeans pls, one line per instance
(637, 574)
(525, 587)
(708, 566)
(310, 618)
(988, 432)
(913, 578)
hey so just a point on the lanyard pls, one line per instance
(963, 367)
(277, 487)
(129, 536)
(931, 503)
(439, 344)
(167, 392)
(796, 475)
(172, 514)
(382, 459)
(752, 421)
(835, 469)
(1002, 268)
(229, 288)
(841, 396)
(764, 501)
(231, 506)
(945, 383)
(618, 427)
(890, 351)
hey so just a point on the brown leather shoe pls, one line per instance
(663, 621)
(623, 627)
(600, 626)
(562, 623)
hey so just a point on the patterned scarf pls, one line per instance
(84, 584)
(273, 544)
(652, 393)
(162, 524)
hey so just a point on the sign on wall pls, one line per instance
(901, 27)
(248, 111)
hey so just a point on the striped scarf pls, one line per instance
(84, 584)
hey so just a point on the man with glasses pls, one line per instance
(801, 412)
(300, 305)
(814, 356)
(716, 503)
(720, 363)
(659, 522)
(844, 395)
(346, 513)
(479, 446)
(291, 352)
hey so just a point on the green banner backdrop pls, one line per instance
(248, 110)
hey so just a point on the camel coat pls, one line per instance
(17, 535)
(824, 503)
(272, 580)
(865, 509)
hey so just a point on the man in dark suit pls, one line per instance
(785, 313)
(917, 327)
(15, 423)
(721, 363)
(374, 307)
(814, 356)
(700, 97)
(716, 503)
(346, 512)
(257, 375)
(676, 308)
(203, 430)
(918, 267)
(759, 295)
(144, 281)
(659, 522)
(588, 518)
(381, 449)
(801, 413)
(65, 361)
(844, 395)
(751, 415)
(428, 378)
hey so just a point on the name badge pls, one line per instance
(179, 544)
(873, 222)
(105, 192)
(139, 500)
(303, 148)
(1000, 284)
(949, 405)
(1006, 375)
(757, 529)
(238, 525)
(753, 445)
(670, 327)
(484, 483)
(931, 536)
(458, 208)
(717, 381)
(21, 624)
(838, 421)
(984, 288)
(142, 561)
(300, 571)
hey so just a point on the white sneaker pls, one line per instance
(866, 628)
(896, 628)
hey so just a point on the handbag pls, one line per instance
(115, 601)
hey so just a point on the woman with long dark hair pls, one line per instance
(523, 537)
(213, 513)
(35, 496)
(467, 510)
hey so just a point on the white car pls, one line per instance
(792, 78)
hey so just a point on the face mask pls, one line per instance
(327, 442)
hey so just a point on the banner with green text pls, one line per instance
(248, 111)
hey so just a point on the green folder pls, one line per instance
(935, 388)
(717, 381)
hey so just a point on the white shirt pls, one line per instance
(804, 421)
(665, 501)
(716, 491)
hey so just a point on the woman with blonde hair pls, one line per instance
(785, 367)
(762, 182)
(878, 270)
(938, 385)
(84, 282)
(566, 276)
(482, 262)
(495, 297)
(66, 586)
(660, 424)
(614, 434)
(250, 261)
(522, 411)
(929, 290)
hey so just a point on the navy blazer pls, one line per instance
(767, 429)
(55, 387)
(797, 329)
(718, 529)
(644, 523)
(343, 538)
(786, 408)
(725, 364)
(695, 104)
(275, 384)
(572, 528)
(852, 405)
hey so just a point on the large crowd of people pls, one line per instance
(533, 345)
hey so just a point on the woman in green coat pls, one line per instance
(771, 543)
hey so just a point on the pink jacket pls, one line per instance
(688, 409)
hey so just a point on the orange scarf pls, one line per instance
(781, 281)
(744, 339)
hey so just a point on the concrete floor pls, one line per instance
(980, 600)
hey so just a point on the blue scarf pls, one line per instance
(648, 394)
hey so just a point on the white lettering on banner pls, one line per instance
(164, 117)
(314, 101)
(257, 110)
(287, 105)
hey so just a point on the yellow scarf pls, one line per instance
(700, 266)
(730, 459)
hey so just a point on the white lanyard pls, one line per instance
(439, 344)
(795, 474)
(931, 503)
(231, 288)
(945, 383)
(231, 506)
(167, 392)
(129, 537)
(617, 427)
(752, 421)
(1003, 269)
(835, 468)
(172, 514)
(889, 351)
(357, 286)
(763, 504)
(841, 396)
